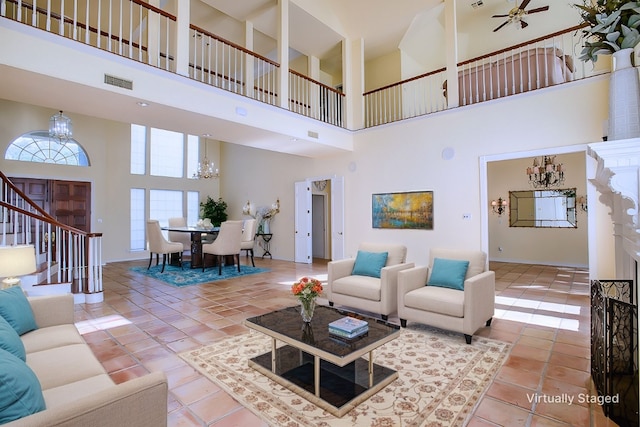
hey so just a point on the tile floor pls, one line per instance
(142, 325)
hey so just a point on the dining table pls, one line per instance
(197, 236)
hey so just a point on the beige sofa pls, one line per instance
(76, 388)
(462, 311)
(372, 294)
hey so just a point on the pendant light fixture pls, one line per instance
(60, 127)
(206, 168)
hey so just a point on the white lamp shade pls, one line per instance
(17, 260)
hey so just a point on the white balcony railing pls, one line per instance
(141, 32)
(536, 64)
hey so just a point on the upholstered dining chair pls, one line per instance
(159, 245)
(180, 237)
(249, 238)
(228, 243)
(456, 292)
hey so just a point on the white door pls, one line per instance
(302, 224)
(337, 218)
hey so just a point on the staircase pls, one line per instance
(68, 260)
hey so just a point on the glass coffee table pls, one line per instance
(326, 370)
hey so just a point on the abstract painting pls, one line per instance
(411, 210)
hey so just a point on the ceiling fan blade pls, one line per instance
(537, 9)
(500, 16)
(502, 25)
(523, 24)
(524, 4)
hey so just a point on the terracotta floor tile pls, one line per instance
(543, 310)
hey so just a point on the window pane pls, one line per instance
(38, 147)
(138, 145)
(165, 204)
(138, 242)
(193, 152)
(167, 153)
(193, 207)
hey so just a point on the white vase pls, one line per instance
(624, 98)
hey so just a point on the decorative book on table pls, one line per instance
(348, 327)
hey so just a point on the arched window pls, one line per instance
(38, 147)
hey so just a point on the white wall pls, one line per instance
(404, 156)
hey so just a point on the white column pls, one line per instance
(249, 76)
(283, 53)
(183, 14)
(353, 82)
(451, 48)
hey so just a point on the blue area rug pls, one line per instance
(187, 276)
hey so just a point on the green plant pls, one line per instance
(216, 211)
(612, 26)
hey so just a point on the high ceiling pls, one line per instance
(316, 28)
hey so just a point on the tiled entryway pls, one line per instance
(542, 310)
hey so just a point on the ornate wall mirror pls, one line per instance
(543, 208)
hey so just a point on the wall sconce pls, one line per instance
(16, 261)
(582, 201)
(499, 206)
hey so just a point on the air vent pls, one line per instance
(117, 81)
(312, 134)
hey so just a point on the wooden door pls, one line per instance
(71, 203)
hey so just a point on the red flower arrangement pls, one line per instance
(307, 288)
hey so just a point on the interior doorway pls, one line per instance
(319, 226)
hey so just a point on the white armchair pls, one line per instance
(227, 243)
(363, 292)
(463, 311)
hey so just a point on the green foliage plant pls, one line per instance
(216, 211)
(612, 26)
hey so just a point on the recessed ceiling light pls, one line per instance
(206, 135)
(142, 104)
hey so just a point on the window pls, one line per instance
(138, 149)
(37, 147)
(164, 153)
(138, 220)
(167, 153)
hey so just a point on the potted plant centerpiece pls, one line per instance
(214, 210)
(612, 28)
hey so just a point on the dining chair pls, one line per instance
(159, 245)
(249, 238)
(178, 236)
(227, 243)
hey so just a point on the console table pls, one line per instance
(265, 244)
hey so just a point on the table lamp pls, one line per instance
(16, 261)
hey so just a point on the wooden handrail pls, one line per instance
(24, 196)
(49, 220)
(232, 44)
(519, 45)
(295, 73)
(488, 55)
(405, 81)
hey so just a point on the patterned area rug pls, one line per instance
(440, 380)
(186, 276)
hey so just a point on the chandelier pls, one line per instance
(546, 172)
(206, 169)
(60, 127)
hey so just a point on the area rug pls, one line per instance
(187, 276)
(441, 379)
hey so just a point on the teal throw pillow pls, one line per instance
(448, 273)
(20, 390)
(16, 310)
(369, 263)
(10, 340)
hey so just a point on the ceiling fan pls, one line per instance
(518, 13)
